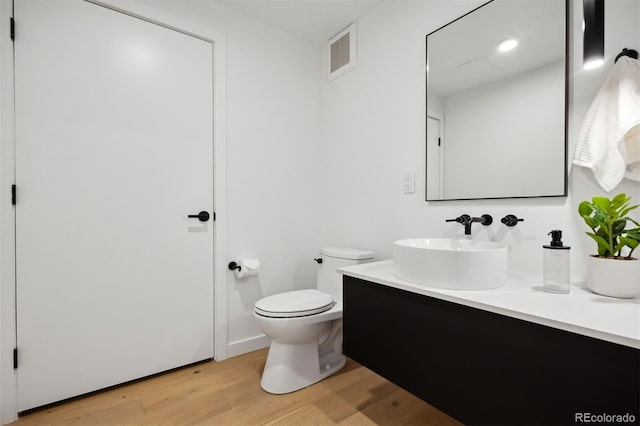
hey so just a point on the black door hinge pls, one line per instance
(13, 28)
(13, 195)
(15, 358)
(438, 141)
(214, 216)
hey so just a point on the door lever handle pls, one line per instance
(203, 216)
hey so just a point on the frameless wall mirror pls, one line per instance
(497, 103)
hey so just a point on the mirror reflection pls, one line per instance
(496, 103)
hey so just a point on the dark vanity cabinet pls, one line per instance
(484, 368)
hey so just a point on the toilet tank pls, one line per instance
(329, 280)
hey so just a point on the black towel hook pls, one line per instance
(627, 52)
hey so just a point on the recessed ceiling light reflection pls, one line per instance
(507, 45)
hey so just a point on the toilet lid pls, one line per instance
(294, 304)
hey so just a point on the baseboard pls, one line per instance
(247, 345)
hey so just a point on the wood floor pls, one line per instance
(229, 393)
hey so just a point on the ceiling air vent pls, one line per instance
(342, 52)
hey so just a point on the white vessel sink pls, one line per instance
(451, 263)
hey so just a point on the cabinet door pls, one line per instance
(484, 368)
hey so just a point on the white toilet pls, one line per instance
(306, 326)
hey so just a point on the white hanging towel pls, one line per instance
(609, 138)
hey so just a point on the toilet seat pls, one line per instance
(292, 304)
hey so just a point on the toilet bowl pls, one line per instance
(306, 326)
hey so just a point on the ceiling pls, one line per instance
(313, 20)
(464, 54)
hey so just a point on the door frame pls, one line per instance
(8, 377)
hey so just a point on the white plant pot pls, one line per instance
(614, 277)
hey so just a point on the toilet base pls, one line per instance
(291, 367)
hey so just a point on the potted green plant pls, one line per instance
(613, 271)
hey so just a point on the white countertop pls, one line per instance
(580, 311)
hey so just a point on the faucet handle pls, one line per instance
(464, 219)
(511, 220)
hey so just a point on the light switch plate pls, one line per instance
(409, 183)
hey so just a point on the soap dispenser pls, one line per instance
(555, 264)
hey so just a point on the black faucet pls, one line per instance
(467, 220)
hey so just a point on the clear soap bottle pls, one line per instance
(555, 264)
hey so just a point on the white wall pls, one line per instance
(435, 104)
(374, 132)
(508, 131)
(272, 172)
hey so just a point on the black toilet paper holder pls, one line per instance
(234, 266)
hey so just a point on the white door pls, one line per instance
(114, 148)
(434, 158)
